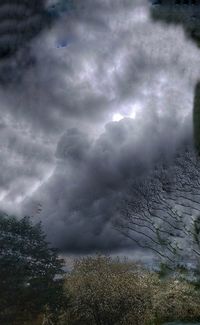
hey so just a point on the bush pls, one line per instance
(99, 290)
(108, 292)
(176, 300)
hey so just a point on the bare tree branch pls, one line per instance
(161, 212)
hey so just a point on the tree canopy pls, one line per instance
(30, 271)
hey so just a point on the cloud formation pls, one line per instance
(60, 144)
(20, 22)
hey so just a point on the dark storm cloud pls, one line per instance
(103, 69)
(82, 198)
(59, 144)
(20, 22)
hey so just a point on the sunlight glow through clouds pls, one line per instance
(37, 185)
(131, 112)
(117, 117)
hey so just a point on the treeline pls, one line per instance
(99, 290)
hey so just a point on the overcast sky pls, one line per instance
(109, 93)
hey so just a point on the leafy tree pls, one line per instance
(104, 291)
(30, 271)
(108, 291)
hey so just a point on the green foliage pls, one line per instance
(28, 267)
(164, 271)
(99, 290)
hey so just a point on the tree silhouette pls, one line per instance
(162, 210)
(30, 271)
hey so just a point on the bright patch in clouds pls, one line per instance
(127, 112)
(117, 117)
(61, 149)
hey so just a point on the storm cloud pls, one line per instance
(110, 93)
(20, 22)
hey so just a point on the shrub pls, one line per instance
(176, 300)
(105, 291)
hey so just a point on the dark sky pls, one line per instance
(108, 93)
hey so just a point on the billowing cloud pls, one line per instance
(81, 199)
(111, 92)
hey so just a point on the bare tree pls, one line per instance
(162, 210)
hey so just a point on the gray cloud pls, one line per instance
(20, 22)
(60, 144)
(82, 197)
